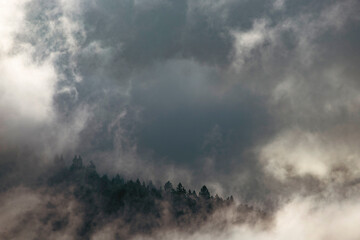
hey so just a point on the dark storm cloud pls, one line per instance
(145, 32)
(131, 57)
(259, 99)
(182, 108)
(152, 80)
(186, 84)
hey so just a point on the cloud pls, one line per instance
(32, 129)
(301, 218)
(257, 98)
(26, 87)
(174, 78)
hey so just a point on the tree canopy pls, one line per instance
(142, 206)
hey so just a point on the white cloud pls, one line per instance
(246, 41)
(301, 218)
(296, 152)
(279, 4)
(11, 20)
(26, 87)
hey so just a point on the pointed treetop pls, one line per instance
(168, 186)
(204, 192)
(180, 189)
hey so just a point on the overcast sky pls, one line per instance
(255, 98)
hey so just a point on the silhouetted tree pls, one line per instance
(77, 163)
(204, 193)
(168, 186)
(180, 189)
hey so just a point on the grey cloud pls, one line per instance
(182, 108)
(179, 69)
(257, 97)
(159, 31)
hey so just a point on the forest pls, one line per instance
(139, 207)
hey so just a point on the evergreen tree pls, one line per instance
(168, 186)
(180, 189)
(204, 193)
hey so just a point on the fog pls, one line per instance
(255, 99)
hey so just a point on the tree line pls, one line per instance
(142, 208)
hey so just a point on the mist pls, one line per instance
(258, 100)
